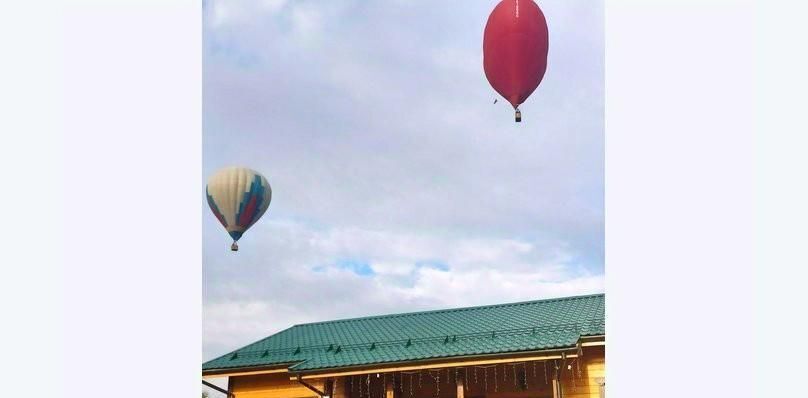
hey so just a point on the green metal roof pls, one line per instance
(492, 329)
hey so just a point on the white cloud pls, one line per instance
(222, 13)
(374, 123)
(307, 20)
(287, 273)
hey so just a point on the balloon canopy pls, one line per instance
(515, 45)
(238, 197)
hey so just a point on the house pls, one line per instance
(534, 349)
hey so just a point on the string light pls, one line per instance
(485, 374)
(524, 365)
(521, 380)
(572, 376)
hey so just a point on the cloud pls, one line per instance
(397, 184)
(289, 273)
(228, 13)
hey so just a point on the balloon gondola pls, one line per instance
(515, 46)
(238, 197)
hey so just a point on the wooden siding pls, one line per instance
(578, 382)
(271, 386)
(586, 386)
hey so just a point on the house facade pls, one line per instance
(536, 349)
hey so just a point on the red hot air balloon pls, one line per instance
(515, 50)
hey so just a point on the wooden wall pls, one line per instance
(275, 385)
(533, 380)
(594, 367)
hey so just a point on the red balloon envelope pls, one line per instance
(515, 50)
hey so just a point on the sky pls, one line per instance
(397, 184)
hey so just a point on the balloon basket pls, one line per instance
(518, 116)
(234, 247)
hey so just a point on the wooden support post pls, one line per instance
(460, 389)
(329, 388)
(227, 392)
(557, 391)
(311, 387)
(388, 389)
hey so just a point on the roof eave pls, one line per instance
(247, 370)
(431, 363)
(438, 363)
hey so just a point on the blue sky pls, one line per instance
(397, 184)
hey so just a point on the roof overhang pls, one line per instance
(452, 362)
(433, 363)
(246, 371)
(590, 341)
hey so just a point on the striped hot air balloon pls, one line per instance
(238, 197)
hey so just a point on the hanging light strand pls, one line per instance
(437, 383)
(496, 383)
(525, 369)
(485, 378)
(572, 375)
